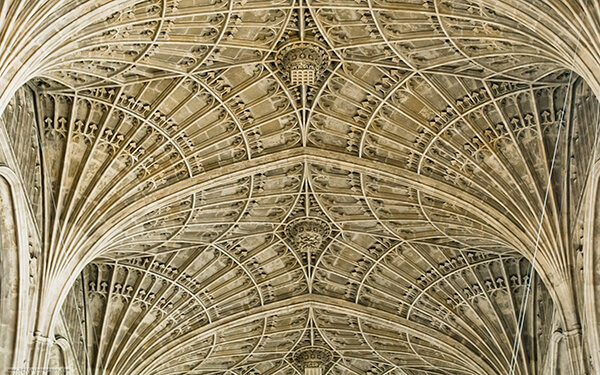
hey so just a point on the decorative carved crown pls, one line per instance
(312, 357)
(308, 233)
(302, 62)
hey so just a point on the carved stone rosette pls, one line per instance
(302, 63)
(312, 359)
(308, 233)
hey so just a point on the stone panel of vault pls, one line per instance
(424, 147)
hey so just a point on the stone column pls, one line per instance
(573, 339)
(39, 354)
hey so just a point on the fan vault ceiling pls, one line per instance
(226, 216)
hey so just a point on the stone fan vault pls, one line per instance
(312, 187)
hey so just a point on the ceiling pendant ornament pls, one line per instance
(312, 360)
(302, 63)
(308, 233)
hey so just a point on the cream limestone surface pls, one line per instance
(402, 187)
